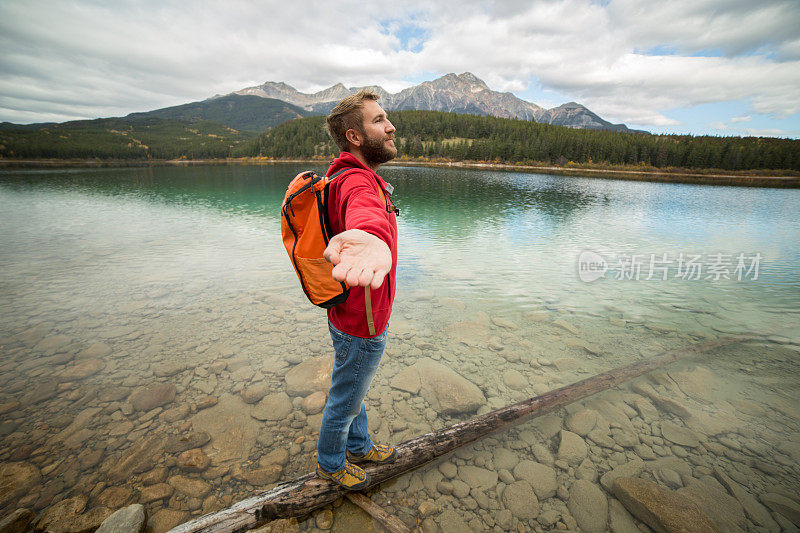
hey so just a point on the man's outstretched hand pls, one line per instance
(359, 258)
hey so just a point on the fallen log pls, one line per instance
(306, 493)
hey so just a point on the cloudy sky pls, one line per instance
(720, 67)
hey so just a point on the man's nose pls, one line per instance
(390, 127)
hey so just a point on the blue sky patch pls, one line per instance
(412, 36)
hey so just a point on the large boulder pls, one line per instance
(446, 390)
(310, 376)
(662, 509)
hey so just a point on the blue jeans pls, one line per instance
(344, 421)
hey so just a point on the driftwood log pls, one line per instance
(306, 493)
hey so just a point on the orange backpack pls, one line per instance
(306, 231)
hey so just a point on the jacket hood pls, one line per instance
(348, 160)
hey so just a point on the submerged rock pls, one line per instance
(130, 519)
(148, 398)
(477, 477)
(407, 380)
(542, 478)
(181, 443)
(309, 376)
(314, 403)
(581, 422)
(52, 345)
(756, 512)
(783, 505)
(140, 457)
(589, 506)
(17, 522)
(515, 380)
(193, 487)
(679, 435)
(619, 519)
(724, 509)
(662, 509)
(16, 479)
(629, 469)
(520, 499)
(446, 390)
(165, 519)
(276, 406)
(233, 431)
(96, 350)
(82, 370)
(193, 461)
(572, 448)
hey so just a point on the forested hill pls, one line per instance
(435, 134)
(240, 112)
(121, 138)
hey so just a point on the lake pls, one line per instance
(155, 346)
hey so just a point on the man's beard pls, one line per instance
(376, 152)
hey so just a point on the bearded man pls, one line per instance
(364, 252)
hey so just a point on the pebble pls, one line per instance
(324, 519)
(548, 518)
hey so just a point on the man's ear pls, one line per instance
(353, 137)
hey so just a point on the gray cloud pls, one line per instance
(89, 59)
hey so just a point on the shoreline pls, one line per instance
(671, 176)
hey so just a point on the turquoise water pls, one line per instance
(184, 266)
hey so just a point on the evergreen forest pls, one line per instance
(437, 135)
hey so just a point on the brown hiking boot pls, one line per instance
(351, 477)
(379, 453)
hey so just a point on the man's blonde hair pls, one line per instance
(347, 115)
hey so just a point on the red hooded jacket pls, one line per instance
(354, 202)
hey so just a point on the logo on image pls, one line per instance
(591, 266)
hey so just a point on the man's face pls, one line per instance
(378, 146)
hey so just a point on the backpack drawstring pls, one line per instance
(368, 305)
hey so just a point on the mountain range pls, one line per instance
(463, 93)
(257, 109)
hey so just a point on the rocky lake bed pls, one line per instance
(184, 403)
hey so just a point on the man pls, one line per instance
(364, 252)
